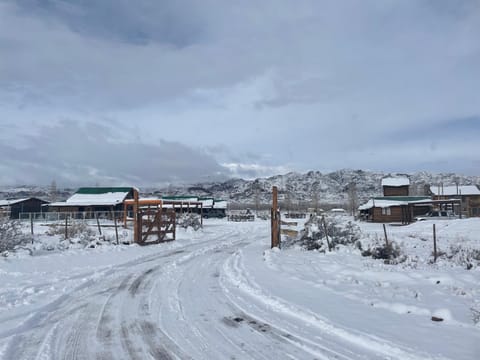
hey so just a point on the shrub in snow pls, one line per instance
(475, 316)
(463, 255)
(339, 232)
(391, 253)
(79, 234)
(11, 236)
(189, 220)
(74, 230)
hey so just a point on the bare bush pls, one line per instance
(475, 315)
(189, 220)
(12, 236)
(77, 232)
(314, 236)
(464, 256)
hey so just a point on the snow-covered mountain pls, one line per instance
(327, 188)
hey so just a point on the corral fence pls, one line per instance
(80, 216)
(153, 225)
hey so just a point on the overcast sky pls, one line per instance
(148, 92)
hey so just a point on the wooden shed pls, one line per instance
(14, 207)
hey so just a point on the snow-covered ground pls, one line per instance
(221, 293)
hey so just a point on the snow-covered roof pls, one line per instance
(109, 198)
(96, 196)
(395, 181)
(11, 202)
(453, 190)
(391, 201)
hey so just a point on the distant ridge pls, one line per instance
(331, 188)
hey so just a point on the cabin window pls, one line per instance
(386, 211)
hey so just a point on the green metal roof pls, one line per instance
(102, 190)
(403, 198)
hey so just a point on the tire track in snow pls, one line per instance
(127, 309)
(113, 314)
(236, 275)
(196, 279)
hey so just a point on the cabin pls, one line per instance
(90, 200)
(395, 209)
(395, 186)
(13, 208)
(468, 196)
(396, 205)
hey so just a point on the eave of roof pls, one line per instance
(389, 201)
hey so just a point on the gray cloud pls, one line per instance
(87, 154)
(264, 85)
(174, 23)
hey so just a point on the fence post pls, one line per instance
(66, 226)
(116, 229)
(434, 244)
(385, 232)
(326, 233)
(174, 216)
(31, 224)
(98, 223)
(275, 221)
(136, 219)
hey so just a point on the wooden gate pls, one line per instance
(155, 226)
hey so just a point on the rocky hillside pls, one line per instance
(314, 186)
(326, 188)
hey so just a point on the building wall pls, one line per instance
(27, 206)
(395, 190)
(395, 215)
(473, 206)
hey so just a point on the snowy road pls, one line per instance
(220, 295)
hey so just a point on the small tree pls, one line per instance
(352, 198)
(315, 197)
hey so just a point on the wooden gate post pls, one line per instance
(136, 219)
(275, 220)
